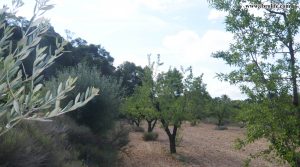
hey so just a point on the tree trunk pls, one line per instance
(294, 80)
(149, 126)
(172, 136)
(137, 123)
(294, 77)
(172, 140)
(219, 122)
(297, 162)
(154, 123)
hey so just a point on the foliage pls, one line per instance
(21, 98)
(221, 109)
(130, 108)
(141, 105)
(60, 143)
(264, 51)
(130, 74)
(150, 136)
(172, 103)
(240, 108)
(197, 97)
(167, 96)
(95, 55)
(95, 149)
(99, 114)
(171, 97)
(194, 122)
(36, 144)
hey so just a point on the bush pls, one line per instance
(95, 149)
(194, 122)
(221, 128)
(33, 144)
(60, 143)
(118, 136)
(138, 129)
(100, 113)
(150, 136)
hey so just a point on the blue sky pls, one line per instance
(183, 32)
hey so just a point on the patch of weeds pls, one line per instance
(138, 129)
(150, 136)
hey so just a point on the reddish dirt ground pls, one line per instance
(201, 146)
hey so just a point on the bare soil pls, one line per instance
(201, 146)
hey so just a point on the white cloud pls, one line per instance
(189, 48)
(216, 14)
(189, 44)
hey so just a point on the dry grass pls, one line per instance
(202, 146)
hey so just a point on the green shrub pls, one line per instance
(60, 143)
(150, 136)
(221, 128)
(138, 129)
(194, 122)
(100, 113)
(33, 144)
(118, 136)
(95, 149)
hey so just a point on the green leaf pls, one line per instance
(47, 7)
(16, 106)
(59, 88)
(37, 88)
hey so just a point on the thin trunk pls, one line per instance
(137, 122)
(294, 76)
(173, 140)
(219, 122)
(290, 44)
(172, 144)
(151, 124)
(154, 123)
(297, 161)
(171, 136)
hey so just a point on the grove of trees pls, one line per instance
(170, 97)
(63, 102)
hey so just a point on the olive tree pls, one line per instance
(100, 113)
(21, 96)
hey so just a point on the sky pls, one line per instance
(184, 32)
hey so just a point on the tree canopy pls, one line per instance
(264, 51)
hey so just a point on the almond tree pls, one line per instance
(172, 103)
(264, 52)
